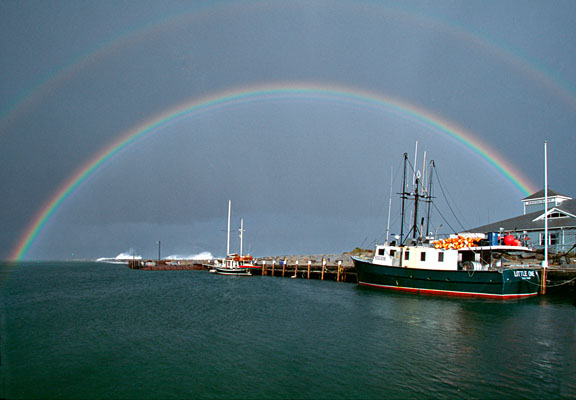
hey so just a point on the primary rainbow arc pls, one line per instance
(262, 93)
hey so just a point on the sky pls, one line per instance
(124, 124)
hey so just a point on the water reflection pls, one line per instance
(479, 348)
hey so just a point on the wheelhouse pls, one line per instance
(425, 257)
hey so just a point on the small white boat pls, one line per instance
(234, 264)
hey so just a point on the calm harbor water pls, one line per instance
(102, 331)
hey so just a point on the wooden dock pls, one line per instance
(324, 268)
(165, 265)
(561, 279)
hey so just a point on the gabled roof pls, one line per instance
(532, 221)
(556, 210)
(540, 195)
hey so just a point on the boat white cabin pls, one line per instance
(426, 256)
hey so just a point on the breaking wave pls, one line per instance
(129, 255)
(205, 255)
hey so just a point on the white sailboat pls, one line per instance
(234, 264)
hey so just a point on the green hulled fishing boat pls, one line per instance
(465, 264)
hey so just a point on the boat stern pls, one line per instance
(521, 282)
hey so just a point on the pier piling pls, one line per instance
(543, 281)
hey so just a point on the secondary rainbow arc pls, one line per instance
(52, 78)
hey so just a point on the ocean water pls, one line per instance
(103, 331)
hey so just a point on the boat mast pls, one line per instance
(389, 207)
(419, 192)
(403, 196)
(241, 234)
(429, 194)
(416, 198)
(415, 184)
(423, 183)
(415, 163)
(228, 239)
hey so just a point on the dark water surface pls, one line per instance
(101, 331)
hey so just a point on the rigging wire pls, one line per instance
(447, 202)
(455, 203)
(443, 218)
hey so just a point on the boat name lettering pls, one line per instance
(524, 274)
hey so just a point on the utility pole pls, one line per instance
(545, 262)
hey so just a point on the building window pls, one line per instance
(441, 256)
(407, 255)
(552, 239)
(423, 256)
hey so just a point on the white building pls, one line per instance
(530, 226)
